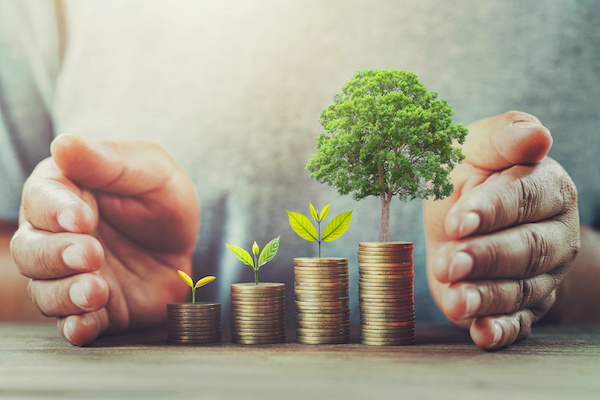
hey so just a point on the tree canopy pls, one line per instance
(387, 136)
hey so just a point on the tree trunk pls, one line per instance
(384, 231)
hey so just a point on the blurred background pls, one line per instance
(234, 89)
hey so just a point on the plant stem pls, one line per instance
(319, 236)
(193, 295)
(256, 276)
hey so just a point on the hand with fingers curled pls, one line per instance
(499, 246)
(103, 226)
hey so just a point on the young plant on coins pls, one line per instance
(321, 284)
(187, 279)
(194, 322)
(266, 255)
(387, 136)
(306, 230)
(257, 309)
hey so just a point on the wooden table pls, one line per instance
(555, 362)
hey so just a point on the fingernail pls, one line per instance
(497, 331)
(78, 295)
(66, 219)
(472, 302)
(73, 257)
(469, 224)
(69, 328)
(461, 266)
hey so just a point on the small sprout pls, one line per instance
(204, 281)
(267, 255)
(306, 230)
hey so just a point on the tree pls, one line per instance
(387, 136)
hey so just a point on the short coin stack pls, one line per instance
(194, 323)
(258, 313)
(322, 309)
(385, 289)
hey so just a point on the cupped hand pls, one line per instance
(103, 228)
(502, 242)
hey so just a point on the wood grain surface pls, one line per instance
(555, 362)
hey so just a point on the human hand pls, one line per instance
(104, 226)
(502, 242)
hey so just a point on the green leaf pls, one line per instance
(324, 212)
(255, 248)
(269, 252)
(204, 281)
(302, 226)
(186, 278)
(314, 212)
(241, 255)
(337, 227)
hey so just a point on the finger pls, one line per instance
(125, 168)
(466, 300)
(53, 203)
(497, 331)
(520, 252)
(508, 139)
(518, 195)
(83, 329)
(44, 255)
(140, 189)
(77, 294)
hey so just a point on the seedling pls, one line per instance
(306, 230)
(190, 282)
(255, 261)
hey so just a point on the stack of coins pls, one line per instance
(194, 323)
(257, 313)
(385, 290)
(322, 309)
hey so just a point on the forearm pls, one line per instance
(15, 304)
(578, 296)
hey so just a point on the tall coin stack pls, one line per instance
(322, 309)
(194, 323)
(385, 290)
(258, 313)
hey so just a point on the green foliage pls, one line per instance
(201, 282)
(306, 230)
(386, 135)
(337, 227)
(268, 253)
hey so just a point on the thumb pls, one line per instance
(124, 168)
(505, 140)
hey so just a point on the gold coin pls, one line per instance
(387, 311)
(179, 338)
(186, 305)
(302, 318)
(258, 335)
(321, 290)
(387, 279)
(195, 312)
(258, 342)
(386, 244)
(387, 342)
(319, 260)
(381, 270)
(193, 341)
(322, 339)
(256, 296)
(258, 303)
(253, 315)
(329, 269)
(194, 324)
